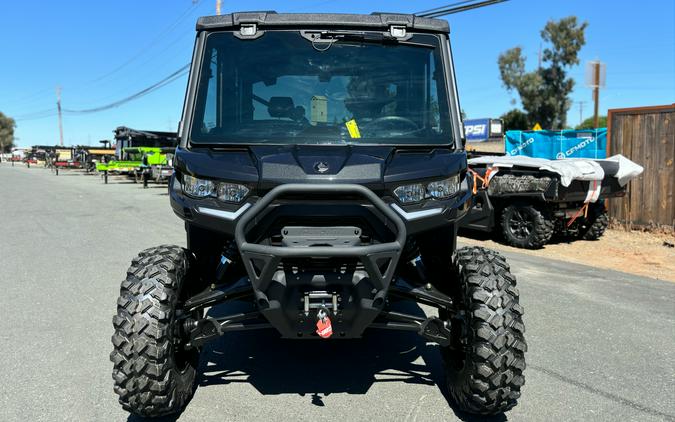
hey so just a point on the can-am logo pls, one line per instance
(578, 147)
(521, 146)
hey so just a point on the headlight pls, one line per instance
(232, 192)
(444, 188)
(410, 193)
(200, 188)
(439, 189)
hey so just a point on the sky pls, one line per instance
(101, 52)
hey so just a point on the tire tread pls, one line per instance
(496, 359)
(144, 373)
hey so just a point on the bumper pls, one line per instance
(292, 283)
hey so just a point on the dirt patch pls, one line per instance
(635, 252)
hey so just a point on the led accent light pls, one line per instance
(232, 192)
(440, 189)
(198, 188)
(444, 188)
(226, 192)
(410, 193)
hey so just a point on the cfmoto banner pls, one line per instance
(557, 144)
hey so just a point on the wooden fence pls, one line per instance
(646, 135)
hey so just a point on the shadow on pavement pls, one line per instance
(133, 418)
(316, 369)
(477, 234)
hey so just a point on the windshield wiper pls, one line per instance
(331, 37)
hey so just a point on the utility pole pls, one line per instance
(58, 107)
(596, 92)
(218, 4)
(595, 79)
(539, 57)
(581, 111)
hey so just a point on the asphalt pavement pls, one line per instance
(601, 343)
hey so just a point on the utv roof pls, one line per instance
(271, 19)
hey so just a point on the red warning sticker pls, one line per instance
(324, 328)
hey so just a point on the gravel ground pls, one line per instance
(637, 252)
(601, 343)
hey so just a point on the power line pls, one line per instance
(165, 81)
(424, 13)
(39, 95)
(145, 76)
(154, 87)
(452, 8)
(457, 7)
(152, 43)
(37, 115)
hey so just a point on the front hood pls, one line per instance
(373, 166)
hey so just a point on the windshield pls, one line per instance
(347, 89)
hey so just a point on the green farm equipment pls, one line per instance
(136, 152)
(157, 165)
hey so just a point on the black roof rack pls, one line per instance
(340, 20)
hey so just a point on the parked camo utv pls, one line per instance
(529, 200)
(320, 175)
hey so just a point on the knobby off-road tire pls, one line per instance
(485, 362)
(526, 226)
(152, 374)
(593, 227)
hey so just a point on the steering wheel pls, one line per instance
(396, 124)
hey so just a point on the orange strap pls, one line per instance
(485, 179)
(583, 209)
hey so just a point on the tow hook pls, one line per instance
(323, 325)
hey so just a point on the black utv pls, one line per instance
(321, 175)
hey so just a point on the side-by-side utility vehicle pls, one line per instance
(321, 176)
(529, 200)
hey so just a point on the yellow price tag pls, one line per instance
(353, 129)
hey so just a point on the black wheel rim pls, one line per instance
(521, 224)
(456, 355)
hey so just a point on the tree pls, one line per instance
(515, 120)
(544, 92)
(7, 126)
(589, 124)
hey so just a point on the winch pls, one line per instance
(320, 299)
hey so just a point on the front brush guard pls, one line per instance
(371, 312)
(269, 257)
